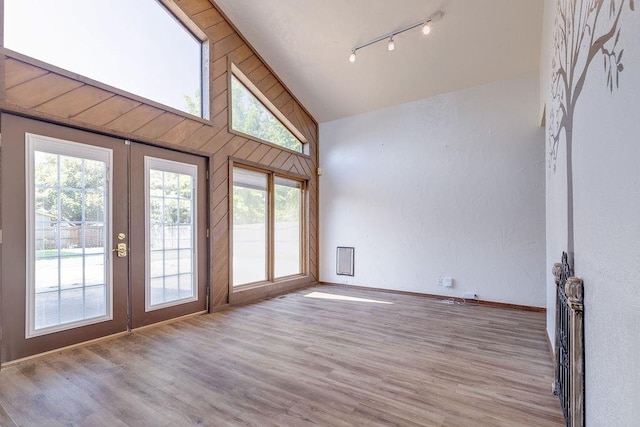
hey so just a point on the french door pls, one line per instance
(168, 247)
(100, 235)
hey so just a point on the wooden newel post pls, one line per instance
(569, 343)
(557, 271)
(574, 289)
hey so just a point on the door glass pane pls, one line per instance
(287, 229)
(170, 230)
(249, 226)
(69, 266)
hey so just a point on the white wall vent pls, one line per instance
(344, 261)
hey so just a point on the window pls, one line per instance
(170, 206)
(287, 226)
(249, 226)
(68, 210)
(257, 117)
(267, 226)
(137, 46)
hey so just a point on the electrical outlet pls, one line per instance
(469, 295)
(440, 278)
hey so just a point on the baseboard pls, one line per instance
(249, 295)
(507, 305)
(434, 296)
(220, 308)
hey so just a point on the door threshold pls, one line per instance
(97, 340)
(165, 322)
(61, 349)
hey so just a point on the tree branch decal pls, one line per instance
(585, 29)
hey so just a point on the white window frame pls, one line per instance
(62, 147)
(181, 168)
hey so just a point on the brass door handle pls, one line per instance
(121, 250)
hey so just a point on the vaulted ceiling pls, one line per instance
(308, 42)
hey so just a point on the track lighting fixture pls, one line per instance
(426, 29)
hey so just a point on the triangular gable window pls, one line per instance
(250, 115)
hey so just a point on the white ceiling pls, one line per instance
(308, 42)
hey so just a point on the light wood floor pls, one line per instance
(302, 359)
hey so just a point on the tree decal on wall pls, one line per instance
(585, 30)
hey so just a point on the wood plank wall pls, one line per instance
(39, 90)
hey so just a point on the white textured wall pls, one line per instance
(556, 232)
(446, 186)
(606, 159)
(548, 24)
(607, 235)
(556, 183)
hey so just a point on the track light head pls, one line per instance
(391, 46)
(435, 17)
(352, 57)
(426, 28)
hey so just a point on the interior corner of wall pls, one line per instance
(543, 115)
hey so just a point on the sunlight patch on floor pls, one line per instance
(323, 295)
